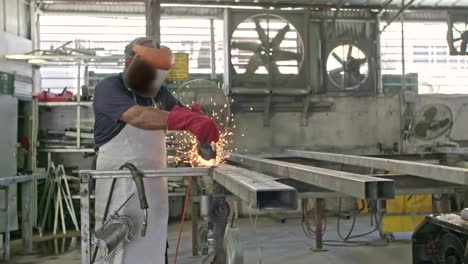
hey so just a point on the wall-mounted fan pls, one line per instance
(347, 67)
(432, 121)
(266, 49)
(457, 34)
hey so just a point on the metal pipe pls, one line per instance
(78, 107)
(170, 172)
(153, 19)
(212, 50)
(403, 8)
(20, 179)
(430, 171)
(6, 250)
(384, 6)
(356, 185)
(85, 219)
(403, 63)
(258, 190)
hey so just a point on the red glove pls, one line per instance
(196, 108)
(201, 126)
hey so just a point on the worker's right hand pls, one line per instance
(201, 126)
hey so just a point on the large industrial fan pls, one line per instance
(457, 34)
(432, 121)
(347, 67)
(266, 50)
(349, 57)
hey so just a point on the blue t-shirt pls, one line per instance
(112, 99)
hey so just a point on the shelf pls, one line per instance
(51, 104)
(67, 150)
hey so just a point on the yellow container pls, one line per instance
(180, 71)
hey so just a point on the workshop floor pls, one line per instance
(276, 243)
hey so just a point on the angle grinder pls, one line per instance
(206, 151)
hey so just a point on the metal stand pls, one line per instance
(319, 215)
(27, 204)
(218, 214)
(87, 176)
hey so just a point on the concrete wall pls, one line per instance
(352, 123)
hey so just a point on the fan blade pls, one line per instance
(346, 80)
(337, 58)
(250, 46)
(273, 72)
(421, 129)
(261, 34)
(283, 55)
(254, 62)
(275, 43)
(436, 125)
(350, 50)
(463, 45)
(336, 71)
(457, 39)
(273, 69)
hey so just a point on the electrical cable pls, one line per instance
(181, 228)
(254, 223)
(347, 240)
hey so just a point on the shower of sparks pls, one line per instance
(186, 145)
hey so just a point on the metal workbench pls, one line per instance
(26, 182)
(268, 183)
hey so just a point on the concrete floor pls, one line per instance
(276, 242)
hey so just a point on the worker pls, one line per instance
(132, 112)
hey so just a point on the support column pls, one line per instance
(319, 216)
(212, 50)
(153, 19)
(195, 217)
(6, 244)
(85, 219)
(218, 214)
(27, 215)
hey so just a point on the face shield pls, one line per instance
(149, 69)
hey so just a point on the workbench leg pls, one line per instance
(27, 215)
(381, 210)
(319, 215)
(219, 212)
(6, 244)
(85, 219)
(195, 211)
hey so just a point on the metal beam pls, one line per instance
(153, 19)
(429, 171)
(19, 179)
(258, 190)
(403, 8)
(356, 185)
(170, 172)
(264, 4)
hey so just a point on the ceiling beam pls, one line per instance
(284, 4)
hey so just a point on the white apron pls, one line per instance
(146, 149)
